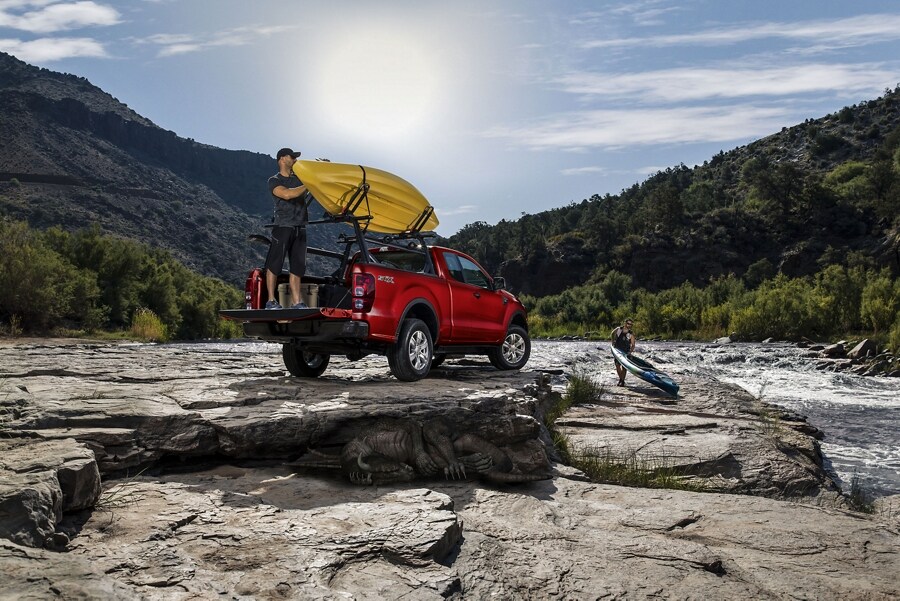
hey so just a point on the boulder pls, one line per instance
(41, 480)
(866, 348)
(834, 350)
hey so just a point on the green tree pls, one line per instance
(36, 283)
(835, 298)
(880, 302)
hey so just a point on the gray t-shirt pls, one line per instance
(289, 213)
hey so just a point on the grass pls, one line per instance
(603, 465)
(769, 417)
(859, 497)
(119, 495)
(633, 468)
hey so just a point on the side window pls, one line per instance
(472, 274)
(454, 266)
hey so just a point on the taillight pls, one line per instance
(253, 291)
(363, 291)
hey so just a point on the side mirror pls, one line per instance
(499, 283)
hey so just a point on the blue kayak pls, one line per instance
(646, 372)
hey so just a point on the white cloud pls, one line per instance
(584, 171)
(852, 31)
(460, 210)
(175, 44)
(686, 84)
(45, 50)
(50, 17)
(624, 128)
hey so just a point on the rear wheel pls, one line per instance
(410, 357)
(303, 364)
(515, 350)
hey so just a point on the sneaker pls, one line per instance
(300, 305)
(273, 304)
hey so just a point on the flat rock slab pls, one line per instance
(267, 533)
(137, 404)
(273, 531)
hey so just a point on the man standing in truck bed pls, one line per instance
(289, 233)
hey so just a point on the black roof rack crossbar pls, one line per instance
(419, 223)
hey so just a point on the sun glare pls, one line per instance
(377, 85)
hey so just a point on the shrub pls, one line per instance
(777, 309)
(894, 337)
(145, 325)
(880, 302)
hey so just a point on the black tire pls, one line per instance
(303, 364)
(410, 357)
(438, 360)
(515, 350)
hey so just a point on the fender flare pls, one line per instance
(434, 327)
(521, 318)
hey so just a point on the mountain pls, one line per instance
(824, 191)
(72, 155)
(821, 192)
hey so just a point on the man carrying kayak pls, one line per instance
(623, 339)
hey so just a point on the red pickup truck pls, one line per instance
(394, 296)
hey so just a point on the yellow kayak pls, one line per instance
(394, 205)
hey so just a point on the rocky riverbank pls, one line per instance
(221, 477)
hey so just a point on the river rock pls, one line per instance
(834, 350)
(738, 450)
(866, 348)
(39, 481)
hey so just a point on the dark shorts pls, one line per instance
(625, 350)
(290, 242)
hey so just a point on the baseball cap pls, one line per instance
(285, 152)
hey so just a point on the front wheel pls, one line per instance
(515, 350)
(410, 357)
(304, 364)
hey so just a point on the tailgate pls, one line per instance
(284, 315)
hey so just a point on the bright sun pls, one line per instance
(378, 86)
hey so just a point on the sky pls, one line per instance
(491, 108)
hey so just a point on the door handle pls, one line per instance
(477, 294)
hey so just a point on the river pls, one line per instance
(859, 415)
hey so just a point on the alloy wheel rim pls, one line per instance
(513, 348)
(312, 359)
(419, 355)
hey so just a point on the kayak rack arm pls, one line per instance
(359, 195)
(419, 223)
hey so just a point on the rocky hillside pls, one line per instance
(821, 192)
(72, 155)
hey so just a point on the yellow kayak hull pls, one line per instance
(394, 205)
